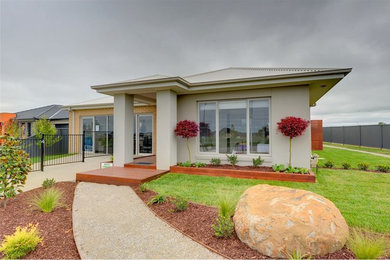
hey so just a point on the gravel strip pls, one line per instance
(112, 222)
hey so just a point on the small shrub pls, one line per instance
(48, 183)
(185, 164)
(232, 159)
(142, 187)
(292, 170)
(383, 168)
(363, 166)
(226, 208)
(346, 165)
(199, 164)
(22, 242)
(223, 227)
(278, 167)
(297, 255)
(257, 161)
(329, 164)
(157, 199)
(365, 246)
(48, 200)
(180, 204)
(303, 170)
(215, 161)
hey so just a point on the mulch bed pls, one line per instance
(55, 227)
(237, 167)
(196, 221)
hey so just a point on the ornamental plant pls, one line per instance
(187, 129)
(291, 127)
(14, 167)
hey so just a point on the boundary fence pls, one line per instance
(361, 135)
(62, 148)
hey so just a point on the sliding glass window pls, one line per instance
(243, 126)
(207, 126)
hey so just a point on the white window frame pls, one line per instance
(248, 150)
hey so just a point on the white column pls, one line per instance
(123, 129)
(166, 150)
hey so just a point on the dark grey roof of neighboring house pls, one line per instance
(50, 112)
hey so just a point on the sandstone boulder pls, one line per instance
(277, 221)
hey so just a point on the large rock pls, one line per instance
(277, 220)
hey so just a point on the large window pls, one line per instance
(236, 126)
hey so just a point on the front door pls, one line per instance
(88, 129)
(143, 134)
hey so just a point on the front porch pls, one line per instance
(142, 169)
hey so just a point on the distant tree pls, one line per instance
(381, 123)
(13, 130)
(46, 128)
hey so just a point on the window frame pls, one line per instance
(248, 150)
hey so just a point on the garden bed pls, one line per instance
(245, 172)
(55, 228)
(196, 221)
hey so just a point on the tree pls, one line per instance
(187, 129)
(14, 167)
(12, 129)
(292, 127)
(46, 128)
(381, 123)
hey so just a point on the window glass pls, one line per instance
(259, 126)
(100, 134)
(232, 127)
(207, 127)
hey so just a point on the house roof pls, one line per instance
(52, 112)
(319, 80)
(102, 102)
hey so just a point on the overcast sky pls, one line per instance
(53, 51)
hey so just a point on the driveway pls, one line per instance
(62, 172)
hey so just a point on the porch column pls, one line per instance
(166, 150)
(123, 129)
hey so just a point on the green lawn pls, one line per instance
(338, 156)
(362, 197)
(49, 157)
(362, 148)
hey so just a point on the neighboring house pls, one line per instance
(237, 110)
(55, 113)
(5, 119)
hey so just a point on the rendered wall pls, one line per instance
(286, 101)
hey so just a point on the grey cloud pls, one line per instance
(52, 51)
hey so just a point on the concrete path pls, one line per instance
(112, 222)
(62, 172)
(360, 151)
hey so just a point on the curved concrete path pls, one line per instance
(112, 222)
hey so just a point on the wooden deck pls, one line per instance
(130, 174)
(144, 162)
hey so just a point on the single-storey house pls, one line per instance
(54, 113)
(237, 110)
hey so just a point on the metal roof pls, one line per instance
(40, 112)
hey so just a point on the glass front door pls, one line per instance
(143, 134)
(88, 128)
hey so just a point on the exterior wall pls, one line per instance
(75, 124)
(286, 101)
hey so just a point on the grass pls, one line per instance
(362, 197)
(362, 148)
(50, 157)
(366, 246)
(48, 200)
(339, 156)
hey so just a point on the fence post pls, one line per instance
(83, 145)
(42, 151)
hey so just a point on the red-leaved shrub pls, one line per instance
(187, 129)
(291, 127)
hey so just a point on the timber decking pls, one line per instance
(120, 175)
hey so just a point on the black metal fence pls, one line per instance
(361, 135)
(65, 148)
